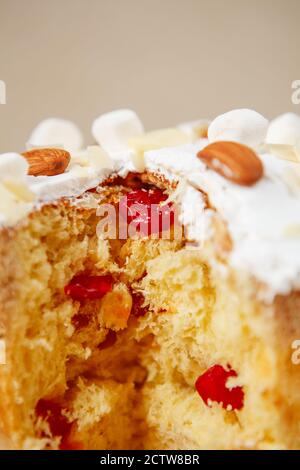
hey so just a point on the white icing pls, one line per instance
(258, 217)
(263, 220)
(70, 184)
(87, 169)
(196, 222)
(127, 161)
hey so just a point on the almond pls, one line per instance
(47, 161)
(234, 161)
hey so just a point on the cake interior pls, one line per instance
(119, 372)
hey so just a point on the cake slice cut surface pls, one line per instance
(180, 334)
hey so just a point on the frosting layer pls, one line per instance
(263, 220)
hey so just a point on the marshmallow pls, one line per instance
(113, 130)
(240, 125)
(55, 132)
(13, 166)
(12, 209)
(284, 130)
(13, 172)
(14, 191)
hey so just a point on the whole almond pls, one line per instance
(47, 161)
(234, 161)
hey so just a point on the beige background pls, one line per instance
(170, 60)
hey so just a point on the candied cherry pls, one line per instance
(85, 287)
(137, 302)
(52, 412)
(211, 386)
(80, 321)
(109, 341)
(141, 204)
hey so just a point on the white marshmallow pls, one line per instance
(12, 209)
(13, 166)
(240, 125)
(113, 130)
(56, 132)
(14, 187)
(284, 130)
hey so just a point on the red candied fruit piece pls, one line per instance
(137, 302)
(211, 386)
(84, 287)
(51, 411)
(147, 198)
(80, 321)
(109, 341)
(67, 444)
